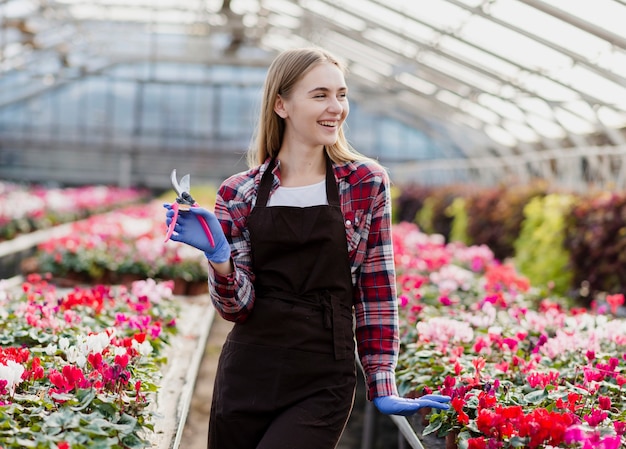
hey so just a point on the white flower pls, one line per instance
(95, 343)
(444, 330)
(119, 350)
(12, 373)
(64, 343)
(144, 348)
(483, 319)
(73, 354)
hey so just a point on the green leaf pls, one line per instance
(536, 396)
(97, 426)
(26, 443)
(432, 427)
(462, 440)
(518, 441)
(63, 419)
(85, 397)
(134, 442)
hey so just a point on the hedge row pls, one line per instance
(571, 243)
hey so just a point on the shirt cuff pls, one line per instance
(221, 280)
(382, 384)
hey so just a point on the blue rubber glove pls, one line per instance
(189, 230)
(395, 405)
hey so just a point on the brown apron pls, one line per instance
(286, 377)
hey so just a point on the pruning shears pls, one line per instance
(184, 202)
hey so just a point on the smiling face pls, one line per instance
(316, 108)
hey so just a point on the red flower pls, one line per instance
(604, 402)
(542, 380)
(69, 378)
(615, 301)
(95, 359)
(479, 363)
(140, 337)
(572, 404)
(122, 360)
(457, 403)
(504, 366)
(544, 427)
(488, 422)
(486, 400)
(476, 443)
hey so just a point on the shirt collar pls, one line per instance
(341, 170)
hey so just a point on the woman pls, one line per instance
(302, 245)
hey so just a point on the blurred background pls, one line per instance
(472, 91)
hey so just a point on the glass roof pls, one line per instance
(495, 77)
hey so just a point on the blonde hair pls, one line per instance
(285, 71)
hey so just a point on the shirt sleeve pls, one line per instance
(376, 307)
(233, 295)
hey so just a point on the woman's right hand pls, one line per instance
(188, 229)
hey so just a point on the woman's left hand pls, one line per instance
(396, 405)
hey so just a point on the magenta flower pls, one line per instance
(591, 439)
(595, 417)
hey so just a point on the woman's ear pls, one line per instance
(279, 107)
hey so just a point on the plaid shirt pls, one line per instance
(366, 204)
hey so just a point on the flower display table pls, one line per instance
(104, 367)
(184, 355)
(524, 367)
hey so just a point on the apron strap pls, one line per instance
(332, 191)
(266, 184)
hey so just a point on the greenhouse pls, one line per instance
(498, 127)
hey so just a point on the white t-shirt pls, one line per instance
(305, 196)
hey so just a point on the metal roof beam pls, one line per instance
(591, 28)
(575, 56)
(589, 98)
(358, 37)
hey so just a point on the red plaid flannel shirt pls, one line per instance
(366, 204)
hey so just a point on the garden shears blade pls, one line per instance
(184, 201)
(182, 189)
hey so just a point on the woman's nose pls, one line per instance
(335, 105)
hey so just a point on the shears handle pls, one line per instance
(170, 229)
(206, 228)
(203, 223)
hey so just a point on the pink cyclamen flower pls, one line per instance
(604, 402)
(595, 417)
(615, 301)
(590, 439)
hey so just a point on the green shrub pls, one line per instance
(540, 253)
(495, 216)
(458, 212)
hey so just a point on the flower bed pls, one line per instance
(121, 245)
(77, 366)
(524, 370)
(27, 209)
